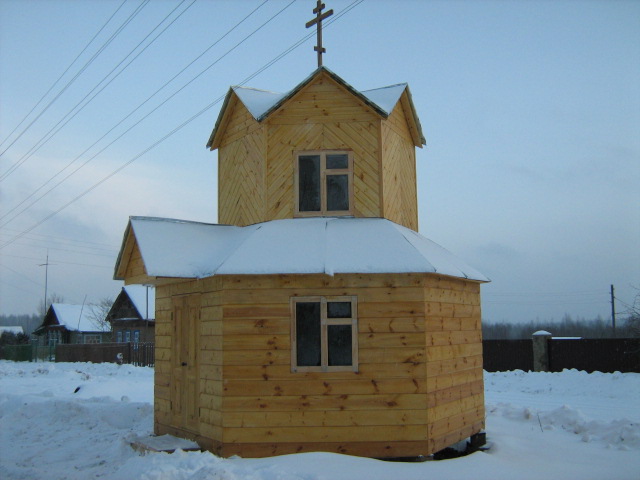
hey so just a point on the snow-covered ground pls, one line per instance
(569, 425)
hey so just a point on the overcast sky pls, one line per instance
(531, 112)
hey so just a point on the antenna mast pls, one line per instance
(318, 22)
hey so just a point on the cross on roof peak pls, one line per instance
(318, 22)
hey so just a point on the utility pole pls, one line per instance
(46, 280)
(613, 311)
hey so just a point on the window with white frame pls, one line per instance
(324, 183)
(136, 336)
(119, 336)
(127, 336)
(324, 334)
(92, 338)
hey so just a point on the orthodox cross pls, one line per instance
(318, 21)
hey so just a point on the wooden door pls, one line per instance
(185, 365)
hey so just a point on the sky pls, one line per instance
(531, 111)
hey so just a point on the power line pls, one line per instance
(70, 115)
(130, 114)
(22, 275)
(61, 262)
(17, 287)
(80, 72)
(66, 239)
(183, 124)
(62, 75)
(103, 253)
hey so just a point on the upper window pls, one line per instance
(324, 334)
(324, 183)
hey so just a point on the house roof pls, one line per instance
(325, 245)
(261, 103)
(138, 296)
(74, 317)
(13, 329)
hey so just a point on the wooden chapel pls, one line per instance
(314, 317)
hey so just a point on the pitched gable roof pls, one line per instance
(74, 317)
(262, 103)
(143, 299)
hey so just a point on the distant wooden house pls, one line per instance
(14, 330)
(318, 319)
(132, 315)
(66, 323)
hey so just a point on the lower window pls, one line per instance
(324, 334)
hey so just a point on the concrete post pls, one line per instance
(541, 350)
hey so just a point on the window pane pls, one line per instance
(340, 160)
(339, 339)
(338, 309)
(308, 334)
(337, 193)
(309, 183)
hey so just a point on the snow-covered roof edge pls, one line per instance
(143, 298)
(127, 238)
(76, 318)
(212, 249)
(11, 329)
(267, 102)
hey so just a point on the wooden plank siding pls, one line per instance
(322, 116)
(454, 372)
(256, 161)
(399, 170)
(417, 384)
(242, 170)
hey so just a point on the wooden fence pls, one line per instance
(139, 354)
(588, 354)
(604, 355)
(595, 354)
(504, 355)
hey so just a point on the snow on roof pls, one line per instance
(326, 245)
(138, 296)
(15, 330)
(74, 317)
(386, 97)
(258, 102)
(261, 103)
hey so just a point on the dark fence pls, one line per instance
(139, 354)
(17, 353)
(504, 355)
(591, 354)
(603, 355)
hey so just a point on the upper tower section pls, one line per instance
(322, 149)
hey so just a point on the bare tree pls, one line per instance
(53, 298)
(98, 314)
(633, 318)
